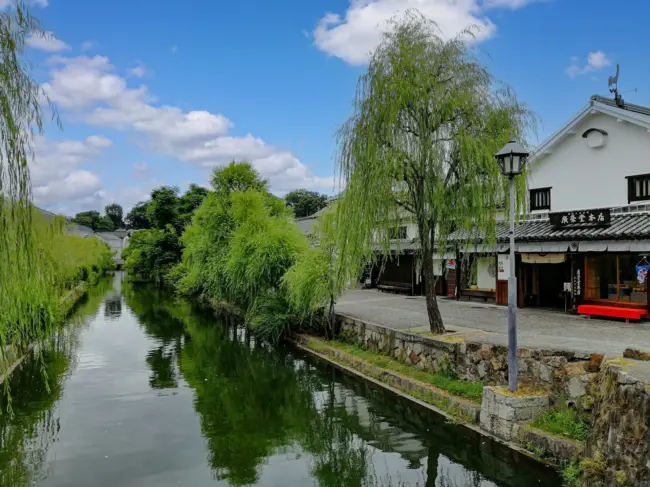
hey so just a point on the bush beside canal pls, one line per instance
(244, 248)
(41, 283)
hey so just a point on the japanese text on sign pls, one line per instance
(584, 217)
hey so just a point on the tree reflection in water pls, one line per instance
(255, 401)
(30, 423)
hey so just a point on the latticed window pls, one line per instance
(540, 199)
(638, 188)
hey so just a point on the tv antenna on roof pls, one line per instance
(613, 81)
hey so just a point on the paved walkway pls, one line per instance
(488, 323)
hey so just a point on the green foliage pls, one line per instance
(88, 219)
(304, 202)
(95, 221)
(151, 254)
(31, 298)
(104, 224)
(163, 208)
(137, 218)
(262, 248)
(190, 201)
(571, 474)
(563, 421)
(237, 176)
(240, 244)
(469, 390)
(116, 214)
(419, 147)
(271, 317)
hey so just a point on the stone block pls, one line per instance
(503, 414)
(575, 387)
(545, 372)
(481, 370)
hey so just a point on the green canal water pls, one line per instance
(142, 390)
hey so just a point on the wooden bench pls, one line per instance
(611, 312)
(394, 287)
(477, 293)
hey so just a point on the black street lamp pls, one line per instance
(512, 159)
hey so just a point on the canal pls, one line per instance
(141, 389)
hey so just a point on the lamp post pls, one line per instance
(512, 159)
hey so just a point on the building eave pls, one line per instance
(592, 107)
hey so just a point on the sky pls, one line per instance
(153, 92)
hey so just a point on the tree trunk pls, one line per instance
(435, 318)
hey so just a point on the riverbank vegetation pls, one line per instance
(41, 263)
(417, 149)
(465, 389)
(563, 421)
(35, 286)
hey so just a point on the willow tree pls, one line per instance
(419, 147)
(23, 276)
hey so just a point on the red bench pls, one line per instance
(611, 311)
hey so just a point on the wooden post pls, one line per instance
(618, 278)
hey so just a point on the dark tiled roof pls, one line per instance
(622, 227)
(626, 106)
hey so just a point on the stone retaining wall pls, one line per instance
(561, 373)
(618, 449)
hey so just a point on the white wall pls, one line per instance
(582, 177)
(483, 278)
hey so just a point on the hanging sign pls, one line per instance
(642, 273)
(596, 217)
(577, 283)
(503, 267)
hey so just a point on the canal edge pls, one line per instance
(67, 302)
(430, 407)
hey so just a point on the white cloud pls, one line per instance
(56, 171)
(46, 41)
(87, 45)
(353, 36)
(77, 185)
(90, 88)
(139, 71)
(595, 60)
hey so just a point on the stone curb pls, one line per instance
(406, 384)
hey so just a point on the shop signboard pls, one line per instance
(597, 217)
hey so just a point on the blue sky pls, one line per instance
(155, 92)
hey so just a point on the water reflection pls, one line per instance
(30, 422)
(159, 394)
(257, 404)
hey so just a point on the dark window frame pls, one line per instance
(533, 192)
(631, 187)
(396, 233)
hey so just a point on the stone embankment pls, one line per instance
(615, 392)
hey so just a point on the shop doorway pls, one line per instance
(544, 276)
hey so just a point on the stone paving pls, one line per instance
(488, 323)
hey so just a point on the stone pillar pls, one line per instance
(503, 413)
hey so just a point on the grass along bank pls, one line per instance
(564, 422)
(472, 391)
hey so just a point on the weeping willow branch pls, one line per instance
(419, 147)
(25, 279)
